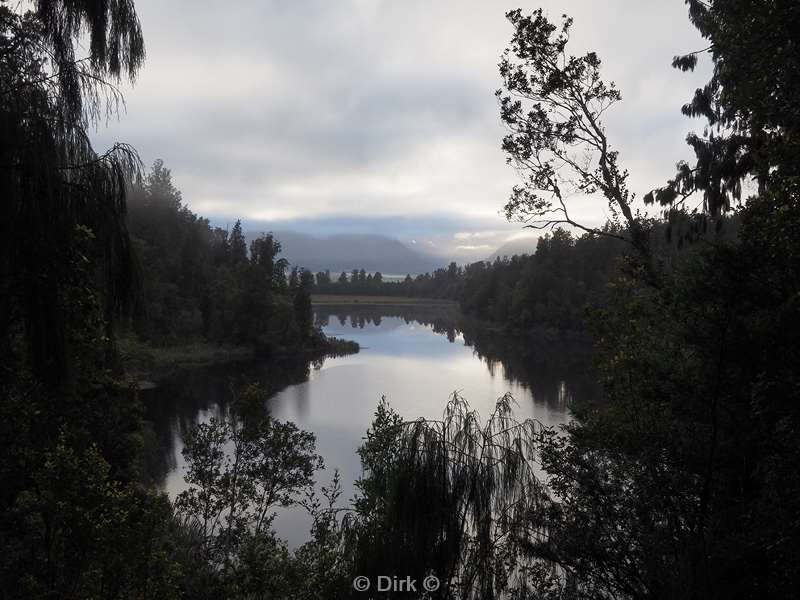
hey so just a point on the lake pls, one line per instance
(415, 356)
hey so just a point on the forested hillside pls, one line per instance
(203, 283)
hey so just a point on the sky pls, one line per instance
(370, 116)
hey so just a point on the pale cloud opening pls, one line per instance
(476, 235)
(486, 247)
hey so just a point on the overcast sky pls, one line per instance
(380, 116)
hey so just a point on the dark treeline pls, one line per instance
(204, 283)
(550, 288)
(554, 287)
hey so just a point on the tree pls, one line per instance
(673, 485)
(748, 132)
(324, 566)
(449, 498)
(85, 534)
(158, 187)
(116, 47)
(302, 303)
(294, 280)
(323, 280)
(264, 251)
(237, 244)
(48, 99)
(452, 270)
(240, 469)
(553, 105)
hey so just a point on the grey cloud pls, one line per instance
(329, 110)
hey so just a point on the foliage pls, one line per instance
(81, 534)
(681, 483)
(670, 487)
(447, 498)
(749, 103)
(552, 104)
(75, 521)
(239, 469)
(323, 563)
(676, 478)
(52, 182)
(200, 282)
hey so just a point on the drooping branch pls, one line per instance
(456, 490)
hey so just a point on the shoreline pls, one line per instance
(357, 300)
(146, 364)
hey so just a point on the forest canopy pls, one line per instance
(204, 282)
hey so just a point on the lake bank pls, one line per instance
(348, 300)
(148, 364)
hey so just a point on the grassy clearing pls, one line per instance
(335, 299)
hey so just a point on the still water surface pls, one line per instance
(415, 357)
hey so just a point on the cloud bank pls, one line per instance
(379, 116)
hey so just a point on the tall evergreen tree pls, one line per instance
(238, 246)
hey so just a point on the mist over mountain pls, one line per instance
(524, 245)
(347, 251)
(373, 252)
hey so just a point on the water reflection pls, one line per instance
(416, 356)
(180, 402)
(554, 366)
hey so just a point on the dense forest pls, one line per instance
(551, 288)
(555, 287)
(682, 483)
(203, 283)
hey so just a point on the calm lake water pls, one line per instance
(415, 356)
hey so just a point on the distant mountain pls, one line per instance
(345, 252)
(526, 245)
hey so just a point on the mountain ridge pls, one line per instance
(348, 251)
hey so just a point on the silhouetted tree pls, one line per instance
(52, 181)
(552, 104)
(748, 132)
(237, 244)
